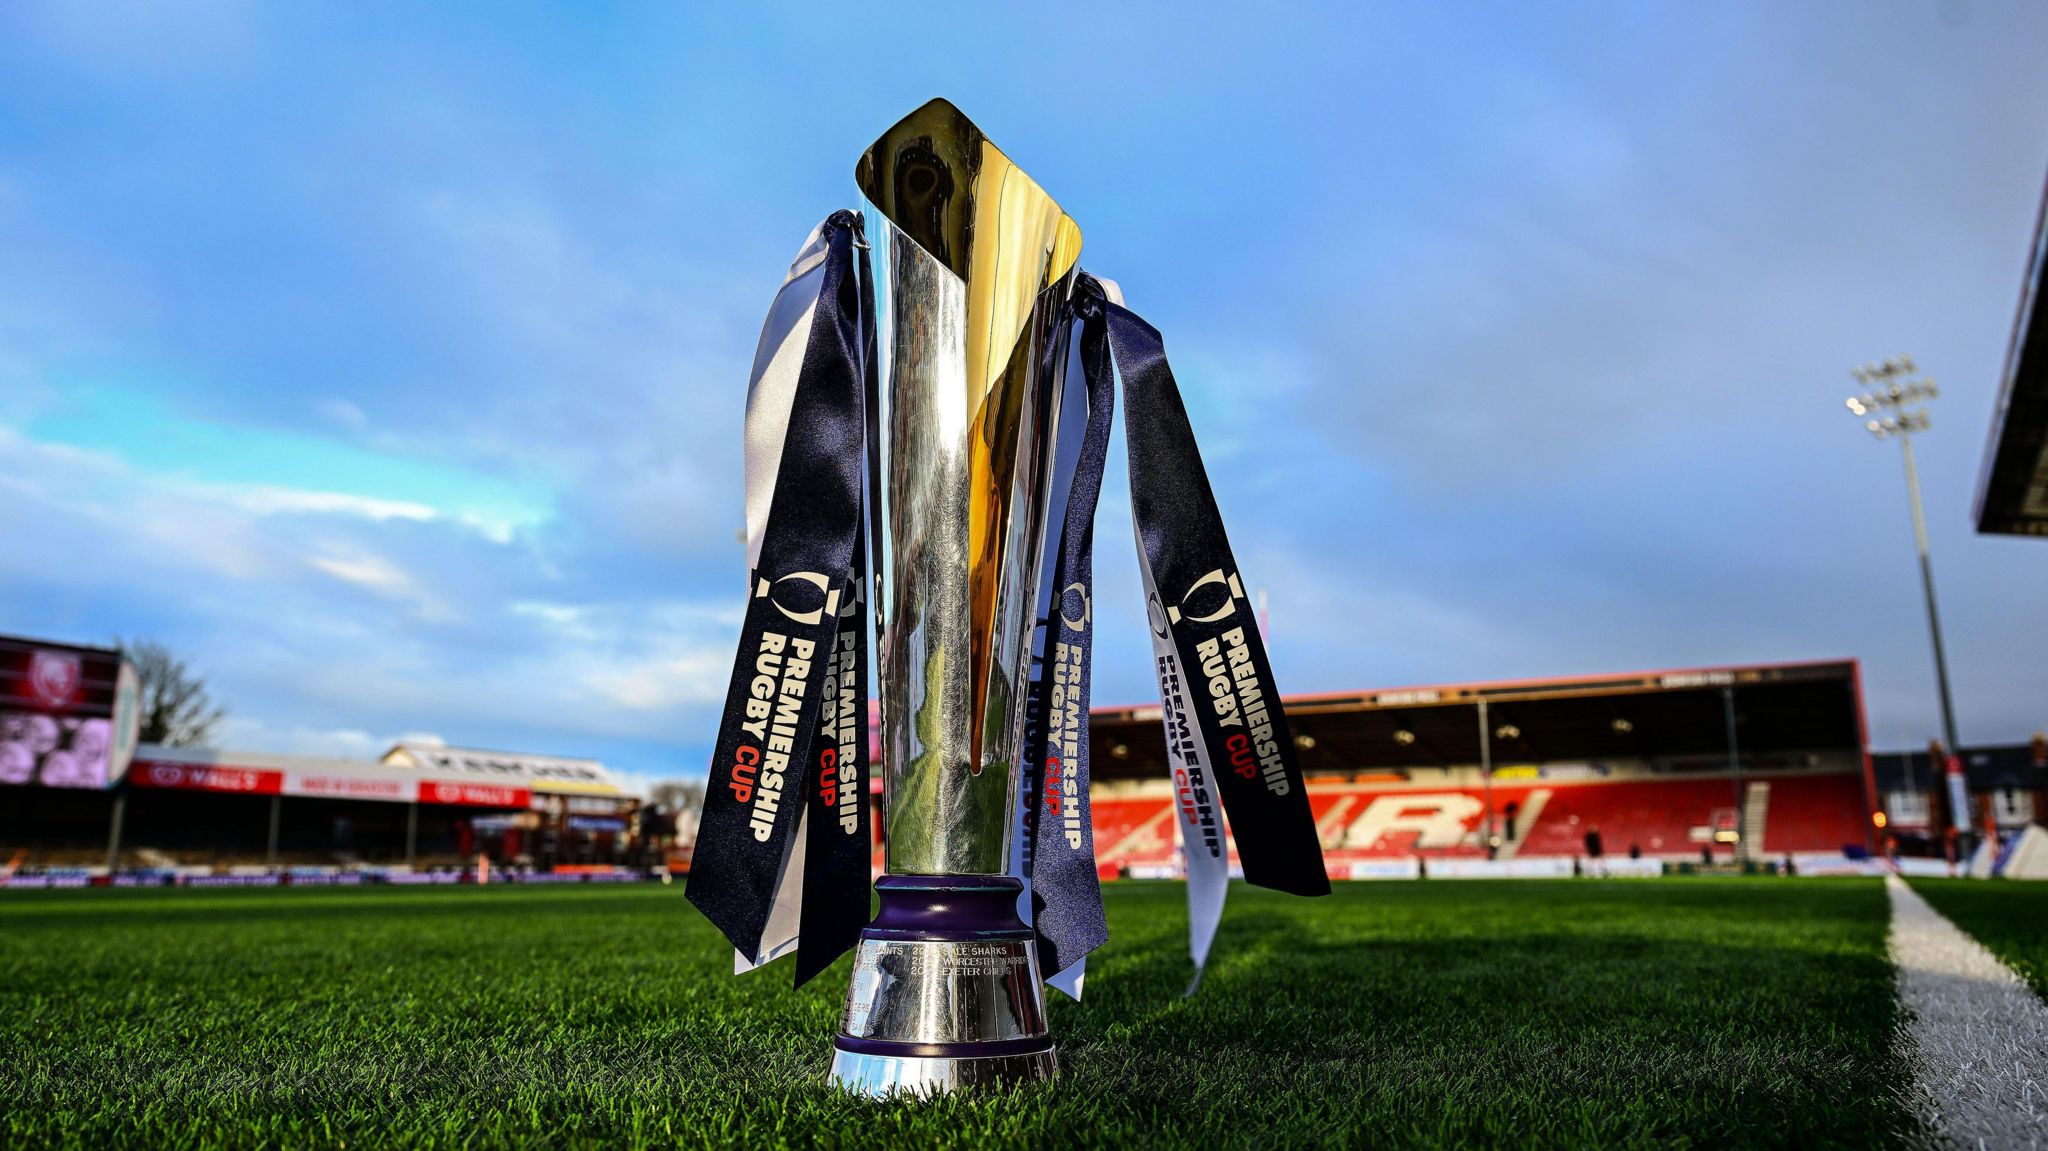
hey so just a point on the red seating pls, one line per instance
(1133, 832)
(1657, 815)
(1815, 813)
(1665, 817)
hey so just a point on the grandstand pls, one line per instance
(419, 806)
(1699, 765)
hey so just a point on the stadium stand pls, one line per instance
(1643, 757)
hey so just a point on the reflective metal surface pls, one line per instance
(972, 261)
(972, 258)
(954, 991)
(884, 1075)
(946, 989)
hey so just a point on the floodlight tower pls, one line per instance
(1891, 409)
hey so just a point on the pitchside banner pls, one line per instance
(247, 779)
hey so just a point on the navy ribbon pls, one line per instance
(1252, 759)
(802, 650)
(1237, 707)
(1066, 894)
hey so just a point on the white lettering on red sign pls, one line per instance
(206, 777)
(475, 795)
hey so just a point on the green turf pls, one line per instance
(2010, 918)
(1711, 1013)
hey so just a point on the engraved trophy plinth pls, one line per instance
(973, 261)
(945, 990)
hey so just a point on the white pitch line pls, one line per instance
(1980, 1035)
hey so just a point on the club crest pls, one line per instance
(53, 677)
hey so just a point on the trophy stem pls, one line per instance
(946, 991)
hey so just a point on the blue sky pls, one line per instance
(388, 362)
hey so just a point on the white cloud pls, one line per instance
(617, 372)
(370, 571)
(665, 683)
(60, 503)
(343, 413)
(559, 614)
(267, 500)
(249, 733)
(658, 660)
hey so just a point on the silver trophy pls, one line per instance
(972, 264)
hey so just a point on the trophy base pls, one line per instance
(945, 993)
(925, 1075)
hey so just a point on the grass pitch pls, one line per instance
(2009, 918)
(1714, 1013)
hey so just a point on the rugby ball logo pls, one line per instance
(1076, 593)
(1227, 588)
(763, 588)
